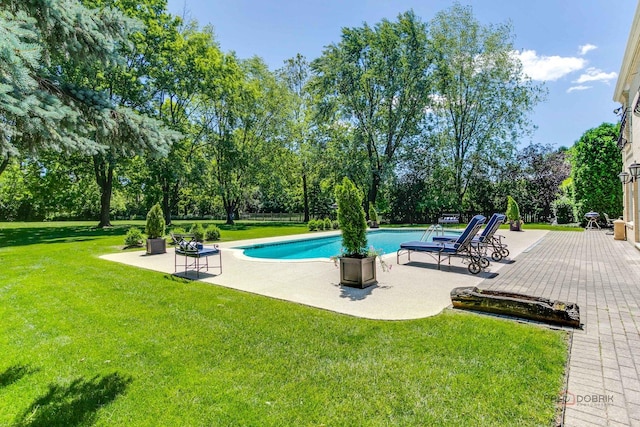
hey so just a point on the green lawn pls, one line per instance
(87, 341)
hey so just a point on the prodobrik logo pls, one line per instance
(571, 399)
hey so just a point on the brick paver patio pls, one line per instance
(602, 276)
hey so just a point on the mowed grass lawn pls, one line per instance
(85, 341)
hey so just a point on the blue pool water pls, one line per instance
(384, 241)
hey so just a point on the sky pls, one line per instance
(574, 47)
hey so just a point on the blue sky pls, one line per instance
(574, 46)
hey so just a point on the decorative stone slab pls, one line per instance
(518, 305)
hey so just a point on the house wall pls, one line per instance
(627, 94)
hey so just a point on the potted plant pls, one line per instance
(357, 267)
(155, 231)
(513, 214)
(373, 216)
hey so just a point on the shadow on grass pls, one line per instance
(74, 404)
(65, 234)
(14, 374)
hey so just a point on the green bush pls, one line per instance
(351, 218)
(513, 211)
(326, 224)
(133, 237)
(312, 225)
(212, 233)
(178, 230)
(198, 232)
(335, 224)
(155, 222)
(563, 210)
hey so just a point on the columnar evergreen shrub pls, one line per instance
(373, 214)
(155, 222)
(351, 218)
(513, 211)
(312, 225)
(326, 224)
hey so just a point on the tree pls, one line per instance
(180, 77)
(45, 101)
(243, 110)
(130, 86)
(543, 170)
(296, 76)
(595, 161)
(482, 98)
(378, 80)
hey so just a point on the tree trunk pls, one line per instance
(4, 164)
(229, 209)
(166, 206)
(373, 192)
(104, 177)
(305, 196)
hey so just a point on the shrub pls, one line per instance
(312, 225)
(155, 222)
(513, 211)
(133, 237)
(198, 232)
(212, 233)
(178, 230)
(563, 210)
(351, 218)
(335, 224)
(326, 224)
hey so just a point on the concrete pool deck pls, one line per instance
(410, 290)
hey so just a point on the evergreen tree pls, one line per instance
(57, 88)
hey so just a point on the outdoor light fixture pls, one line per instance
(617, 110)
(624, 177)
(634, 169)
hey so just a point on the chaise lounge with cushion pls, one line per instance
(487, 238)
(461, 247)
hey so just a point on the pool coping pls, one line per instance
(409, 291)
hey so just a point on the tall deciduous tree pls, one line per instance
(244, 108)
(482, 98)
(296, 74)
(595, 162)
(180, 76)
(131, 86)
(378, 80)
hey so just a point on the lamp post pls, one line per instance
(634, 171)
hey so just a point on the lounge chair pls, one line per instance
(609, 220)
(461, 247)
(196, 251)
(486, 238)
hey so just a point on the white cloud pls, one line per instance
(581, 87)
(586, 48)
(548, 68)
(596, 75)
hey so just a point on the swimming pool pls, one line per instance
(384, 241)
